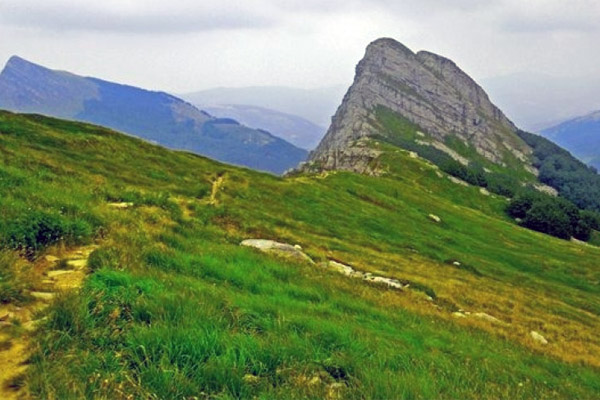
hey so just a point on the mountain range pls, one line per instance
(297, 130)
(536, 101)
(316, 105)
(580, 135)
(154, 116)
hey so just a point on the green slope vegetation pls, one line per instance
(175, 308)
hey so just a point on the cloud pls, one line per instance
(548, 16)
(134, 16)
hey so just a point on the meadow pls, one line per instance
(174, 308)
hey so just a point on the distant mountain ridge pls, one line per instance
(295, 129)
(581, 136)
(154, 116)
(316, 105)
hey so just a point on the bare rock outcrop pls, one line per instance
(426, 89)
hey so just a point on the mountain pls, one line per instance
(170, 305)
(536, 101)
(316, 105)
(292, 128)
(581, 136)
(154, 116)
(451, 111)
(425, 104)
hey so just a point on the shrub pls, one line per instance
(522, 203)
(105, 257)
(35, 230)
(555, 216)
(548, 217)
(12, 281)
(587, 222)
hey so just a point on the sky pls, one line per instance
(186, 45)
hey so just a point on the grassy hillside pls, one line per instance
(175, 308)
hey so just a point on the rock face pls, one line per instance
(429, 91)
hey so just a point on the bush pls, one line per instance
(548, 217)
(105, 257)
(588, 221)
(12, 281)
(32, 232)
(552, 215)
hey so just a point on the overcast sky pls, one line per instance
(186, 45)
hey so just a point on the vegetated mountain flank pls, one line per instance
(295, 129)
(316, 105)
(424, 290)
(154, 116)
(581, 136)
(425, 104)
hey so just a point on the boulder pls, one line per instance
(434, 218)
(342, 268)
(121, 205)
(538, 338)
(51, 259)
(281, 249)
(488, 318)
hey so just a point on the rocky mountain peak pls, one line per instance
(426, 89)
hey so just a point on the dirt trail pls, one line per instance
(217, 183)
(57, 273)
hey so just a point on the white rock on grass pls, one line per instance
(487, 317)
(538, 338)
(434, 218)
(281, 249)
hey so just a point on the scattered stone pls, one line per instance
(421, 134)
(30, 326)
(82, 263)
(366, 276)
(439, 174)
(488, 318)
(386, 281)
(6, 317)
(44, 296)
(121, 205)
(282, 249)
(412, 154)
(434, 218)
(458, 314)
(456, 263)
(538, 338)
(59, 272)
(51, 259)
(457, 181)
(546, 189)
(251, 379)
(484, 191)
(334, 391)
(342, 268)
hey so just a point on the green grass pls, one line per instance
(175, 308)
